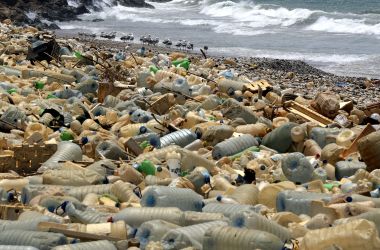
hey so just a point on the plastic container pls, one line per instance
(324, 136)
(246, 194)
(153, 230)
(280, 138)
(110, 150)
(124, 192)
(92, 245)
(368, 147)
(233, 146)
(72, 177)
(252, 220)
(182, 237)
(298, 202)
(358, 234)
(348, 168)
(40, 240)
(228, 238)
(160, 196)
(85, 217)
(135, 216)
(81, 192)
(297, 167)
(311, 148)
(27, 224)
(15, 184)
(66, 151)
(181, 138)
(226, 209)
(192, 218)
(257, 130)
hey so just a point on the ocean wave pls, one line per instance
(256, 15)
(345, 25)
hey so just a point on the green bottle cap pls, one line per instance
(147, 167)
(66, 136)
(144, 144)
(50, 96)
(10, 91)
(78, 55)
(39, 85)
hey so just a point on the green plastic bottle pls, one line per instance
(185, 63)
(10, 91)
(50, 96)
(147, 167)
(153, 69)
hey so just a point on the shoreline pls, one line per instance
(307, 80)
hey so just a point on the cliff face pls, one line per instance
(33, 11)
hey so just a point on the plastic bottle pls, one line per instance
(160, 196)
(85, 217)
(135, 216)
(66, 151)
(124, 192)
(298, 202)
(297, 168)
(358, 234)
(182, 237)
(16, 184)
(368, 147)
(72, 177)
(280, 138)
(227, 238)
(373, 216)
(324, 136)
(110, 150)
(27, 224)
(153, 230)
(347, 168)
(226, 209)
(173, 160)
(255, 221)
(233, 145)
(92, 245)
(246, 194)
(40, 240)
(268, 194)
(257, 130)
(181, 138)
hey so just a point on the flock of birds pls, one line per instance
(148, 39)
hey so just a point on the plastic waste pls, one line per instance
(160, 196)
(233, 145)
(223, 238)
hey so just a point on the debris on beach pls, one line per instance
(104, 148)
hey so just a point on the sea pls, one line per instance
(337, 36)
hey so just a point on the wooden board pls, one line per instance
(354, 146)
(306, 113)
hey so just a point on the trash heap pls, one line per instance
(119, 150)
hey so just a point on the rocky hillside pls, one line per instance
(41, 12)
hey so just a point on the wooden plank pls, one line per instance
(59, 228)
(306, 113)
(354, 145)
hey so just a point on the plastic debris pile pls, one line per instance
(103, 150)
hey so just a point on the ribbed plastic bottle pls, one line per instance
(161, 196)
(231, 238)
(85, 217)
(280, 138)
(191, 218)
(255, 221)
(30, 191)
(135, 216)
(357, 234)
(182, 237)
(92, 245)
(124, 192)
(10, 247)
(324, 136)
(181, 138)
(298, 202)
(66, 151)
(153, 230)
(40, 240)
(233, 146)
(72, 177)
(27, 225)
(81, 192)
(246, 194)
(373, 216)
(297, 168)
(226, 209)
